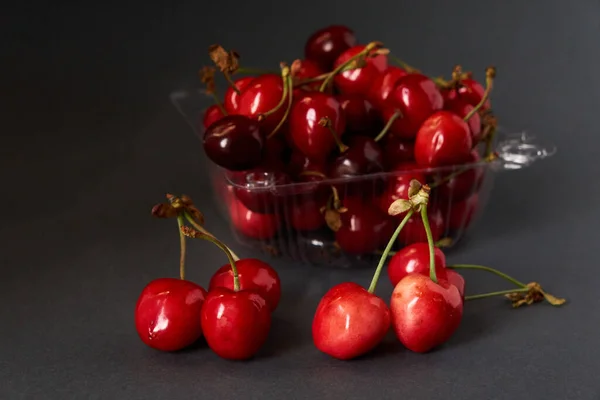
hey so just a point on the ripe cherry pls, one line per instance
(461, 108)
(359, 80)
(260, 96)
(231, 99)
(253, 274)
(166, 314)
(325, 45)
(414, 231)
(384, 84)
(397, 185)
(306, 69)
(306, 215)
(457, 280)
(470, 91)
(396, 150)
(251, 224)
(464, 183)
(443, 139)
(299, 163)
(211, 115)
(414, 258)
(258, 191)
(416, 97)
(275, 154)
(363, 157)
(234, 142)
(361, 116)
(349, 321)
(309, 136)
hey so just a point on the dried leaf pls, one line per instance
(414, 188)
(207, 77)
(164, 210)
(295, 68)
(534, 295)
(226, 61)
(399, 206)
(333, 220)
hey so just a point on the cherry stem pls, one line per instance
(412, 70)
(287, 88)
(181, 248)
(425, 218)
(387, 250)
(368, 48)
(488, 269)
(489, 158)
(313, 173)
(231, 82)
(202, 230)
(326, 122)
(387, 126)
(218, 103)
(490, 74)
(285, 72)
(489, 141)
(194, 234)
(498, 293)
(306, 81)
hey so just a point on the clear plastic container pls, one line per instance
(285, 220)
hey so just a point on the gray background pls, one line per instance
(90, 142)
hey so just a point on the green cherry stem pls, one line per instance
(368, 48)
(489, 158)
(430, 243)
(194, 234)
(288, 88)
(182, 248)
(202, 230)
(498, 293)
(326, 122)
(386, 251)
(489, 269)
(285, 72)
(218, 103)
(387, 126)
(490, 74)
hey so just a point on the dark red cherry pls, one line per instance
(361, 116)
(414, 258)
(359, 80)
(416, 97)
(306, 69)
(325, 45)
(231, 99)
(258, 192)
(396, 150)
(211, 115)
(443, 139)
(234, 142)
(383, 85)
(414, 231)
(460, 215)
(261, 95)
(306, 215)
(251, 224)
(462, 109)
(463, 184)
(397, 185)
(469, 91)
(276, 153)
(308, 135)
(364, 227)
(299, 163)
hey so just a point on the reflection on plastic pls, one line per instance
(521, 151)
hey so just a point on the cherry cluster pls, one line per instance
(353, 125)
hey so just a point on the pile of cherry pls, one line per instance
(234, 316)
(342, 114)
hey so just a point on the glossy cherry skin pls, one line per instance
(364, 227)
(384, 84)
(470, 91)
(359, 80)
(235, 324)
(263, 94)
(211, 115)
(416, 97)
(364, 156)
(259, 190)
(461, 108)
(255, 275)
(349, 321)
(457, 280)
(231, 99)
(299, 163)
(234, 142)
(166, 314)
(425, 314)
(414, 231)
(252, 224)
(308, 136)
(443, 139)
(361, 116)
(396, 150)
(414, 258)
(464, 184)
(306, 69)
(397, 186)
(325, 45)
(460, 215)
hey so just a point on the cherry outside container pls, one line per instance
(285, 220)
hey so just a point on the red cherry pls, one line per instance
(414, 231)
(416, 97)
(261, 95)
(425, 314)
(258, 191)
(457, 280)
(299, 163)
(469, 91)
(166, 314)
(254, 275)
(325, 45)
(359, 80)
(361, 116)
(383, 85)
(364, 227)
(414, 258)
(460, 215)
(275, 153)
(252, 224)
(349, 321)
(396, 150)
(443, 139)
(211, 115)
(312, 139)
(461, 108)
(464, 184)
(363, 157)
(231, 99)
(397, 186)
(307, 69)
(235, 324)
(307, 216)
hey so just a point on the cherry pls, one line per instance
(396, 150)
(414, 258)
(470, 91)
(384, 84)
(253, 274)
(363, 157)
(211, 115)
(397, 185)
(349, 321)
(258, 191)
(464, 183)
(275, 153)
(306, 69)
(414, 231)
(460, 215)
(234, 142)
(299, 163)
(325, 45)
(443, 139)
(424, 313)
(308, 134)
(457, 280)
(461, 108)
(361, 116)
(416, 97)
(364, 227)
(359, 80)
(250, 223)
(166, 314)
(260, 96)
(231, 99)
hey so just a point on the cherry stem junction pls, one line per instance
(490, 74)
(387, 126)
(368, 48)
(326, 122)
(180, 224)
(202, 230)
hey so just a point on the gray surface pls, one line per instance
(90, 142)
